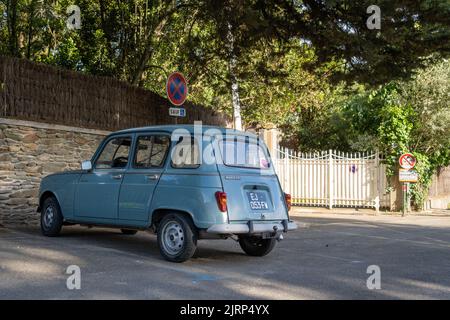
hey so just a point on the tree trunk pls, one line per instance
(142, 63)
(237, 121)
(153, 36)
(232, 62)
(31, 10)
(12, 28)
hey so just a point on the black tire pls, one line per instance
(177, 238)
(256, 246)
(51, 218)
(128, 231)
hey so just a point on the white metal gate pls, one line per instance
(333, 178)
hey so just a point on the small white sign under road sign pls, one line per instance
(177, 112)
(407, 175)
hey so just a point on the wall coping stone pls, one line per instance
(42, 125)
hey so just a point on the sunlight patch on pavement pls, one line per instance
(49, 254)
(32, 267)
(258, 288)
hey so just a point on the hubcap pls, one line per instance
(172, 237)
(49, 216)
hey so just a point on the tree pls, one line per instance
(406, 116)
(410, 32)
(140, 41)
(428, 94)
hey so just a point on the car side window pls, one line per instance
(151, 151)
(186, 153)
(115, 154)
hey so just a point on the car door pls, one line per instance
(98, 190)
(141, 178)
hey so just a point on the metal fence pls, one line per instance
(333, 178)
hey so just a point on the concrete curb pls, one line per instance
(299, 211)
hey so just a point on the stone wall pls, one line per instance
(30, 151)
(439, 194)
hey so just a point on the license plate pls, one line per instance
(257, 200)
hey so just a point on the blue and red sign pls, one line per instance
(176, 88)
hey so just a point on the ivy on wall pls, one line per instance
(415, 117)
(401, 116)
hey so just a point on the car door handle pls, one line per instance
(117, 176)
(152, 176)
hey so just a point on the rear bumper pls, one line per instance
(251, 227)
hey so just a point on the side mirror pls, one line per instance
(86, 165)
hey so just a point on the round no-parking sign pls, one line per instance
(176, 88)
(407, 161)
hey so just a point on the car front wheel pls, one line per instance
(51, 218)
(256, 246)
(177, 238)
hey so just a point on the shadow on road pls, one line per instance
(327, 260)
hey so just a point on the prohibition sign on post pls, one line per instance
(176, 88)
(407, 161)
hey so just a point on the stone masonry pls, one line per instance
(30, 151)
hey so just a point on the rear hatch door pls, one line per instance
(249, 180)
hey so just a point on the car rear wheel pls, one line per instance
(177, 238)
(128, 231)
(256, 246)
(51, 218)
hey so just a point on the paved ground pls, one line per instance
(325, 259)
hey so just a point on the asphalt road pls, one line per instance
(327, 258)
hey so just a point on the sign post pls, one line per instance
(177, 91)
(406, 175)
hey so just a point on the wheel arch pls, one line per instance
(45, 195)
(158, 215)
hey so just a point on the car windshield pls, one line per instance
(243, 152)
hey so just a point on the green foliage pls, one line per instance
(394, 130)
(408, 116)
(67, 55)
(428, 94)
(316, 120)
(410, 32)
(414, 117)
(286, 51)
(425, 169)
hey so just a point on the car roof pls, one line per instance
(189, 128)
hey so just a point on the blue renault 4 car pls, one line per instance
(183, 182)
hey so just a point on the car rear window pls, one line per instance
(243, 152)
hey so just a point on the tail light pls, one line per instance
(221, 198)
(288, 199)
